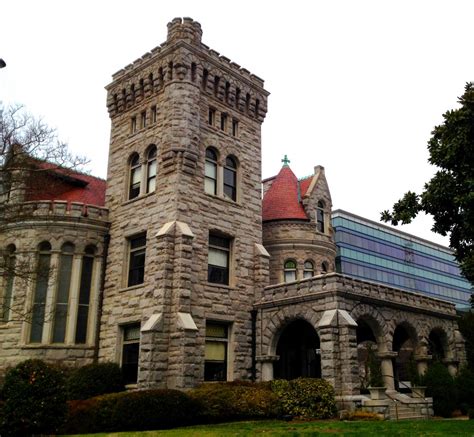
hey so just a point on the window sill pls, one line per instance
(224, 199)
(135, 199)
(132, 287)
(55, 346)
(214, 285)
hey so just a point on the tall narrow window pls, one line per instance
(227, 91)
(235, 127)
(224, 122)
(62, 293)
(130, 353)
(151, 170)
(216, 85)
(85, 295)
(320, 225)
(9, 275)
(230, 178)
(41, 290)
(218, 259)
(324, 267)
(308, 269)
(153, 114)
(212, 116)
(136, 263)
(135, 176)
(290, 270)
(193, 71)
(215, 364)
(210, 178)
(133, 125)
(205, 76)
(151, 82)
(143, 119)
(237, 98)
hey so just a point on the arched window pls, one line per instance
(9, 275)
(290, 270)
(308, 271)
(210, 179)
(62, 293)
(85, 294)
(41, 290)
(324, 267)
(135, 176)
(230, 178)
(151, 170)
(320, 225)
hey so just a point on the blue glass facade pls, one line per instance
(371, 251)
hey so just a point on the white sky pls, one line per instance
(356, 86)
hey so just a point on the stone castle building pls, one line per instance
(184, 274)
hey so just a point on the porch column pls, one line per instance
(386, 363)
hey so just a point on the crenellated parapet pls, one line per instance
(184, 58)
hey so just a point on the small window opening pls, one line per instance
(235, 127)
(212, 116)
(223, 121)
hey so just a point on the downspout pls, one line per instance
(100, 302)
(253, 314)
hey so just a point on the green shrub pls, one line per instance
(35, 401)
(306, 397)
(465, 388)
(127, 411)
(226, 401)
(93, 380)
(440, 385)
(471, 414)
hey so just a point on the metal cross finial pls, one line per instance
(285, 161)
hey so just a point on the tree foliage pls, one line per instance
(449, 195)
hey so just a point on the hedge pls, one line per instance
(230, 401)
(306, 397)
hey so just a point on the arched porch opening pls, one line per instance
(404, 344)
(366, 334)
(299, 351)
(437, 344)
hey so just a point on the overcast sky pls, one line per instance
(356, 86)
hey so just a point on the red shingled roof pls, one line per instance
(281, 201)
(63, 184)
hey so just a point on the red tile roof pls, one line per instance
(282, 200)
(63, 184)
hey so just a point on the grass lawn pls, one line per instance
(318, 428)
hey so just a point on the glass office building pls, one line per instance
(372, 251)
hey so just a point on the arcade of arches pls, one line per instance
(330, 338)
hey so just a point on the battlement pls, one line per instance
(185, 29)
(55, 209)
(217, 75)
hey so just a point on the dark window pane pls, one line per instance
(81, 327)
(130, 356)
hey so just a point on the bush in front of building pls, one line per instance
(441, 386)
(465, 389)
(34, 399)
(306, 397)
(94, 380)
(131, 411)
(238, 400)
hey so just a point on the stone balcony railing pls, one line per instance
(54, 209)
(345, 286)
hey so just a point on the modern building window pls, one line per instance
(210, 179)
(40, 293)
(215, 360)
(320, 222)
(290, 270)
(218, 259)
(85, 295)
(130, 353)
(8, 277)
(230, 178)
(136, 262)
(151, 170)
(62, 293)
(308, 271)
(135, 176)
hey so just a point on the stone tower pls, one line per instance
(185, 261)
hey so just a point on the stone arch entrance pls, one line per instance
(404, 344)
(299, 351)
(366, 333)
(437, 344)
